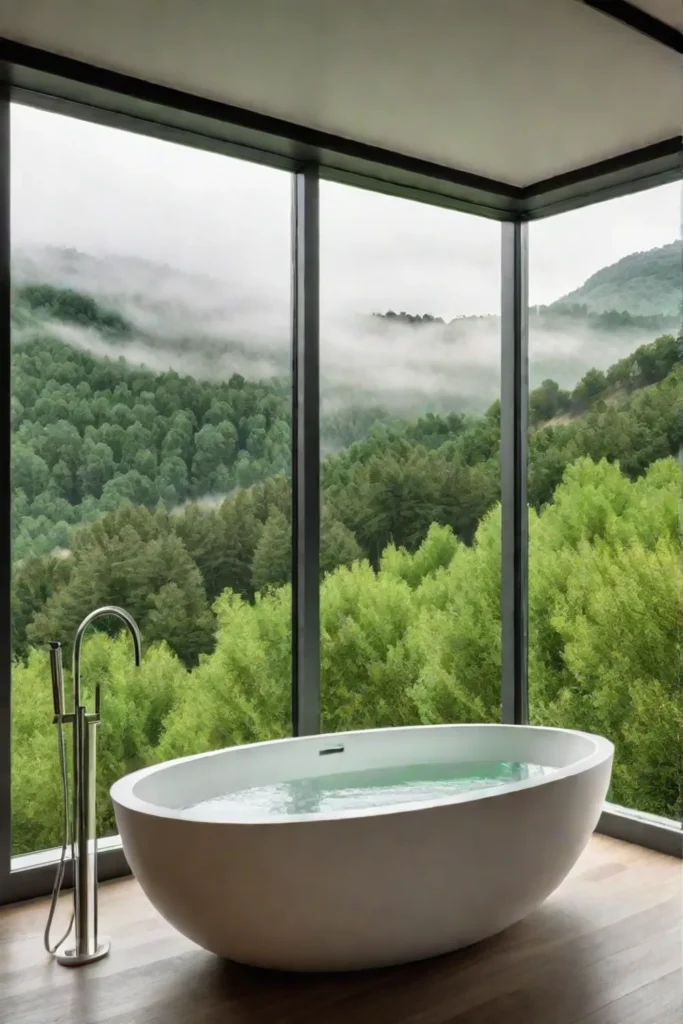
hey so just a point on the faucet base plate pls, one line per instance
(72, 958)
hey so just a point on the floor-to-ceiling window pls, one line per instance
(150, 448)
(410, 481)
(151, 460)
(605, 450)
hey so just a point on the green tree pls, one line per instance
(132, 559)
(591, 386)
(272, 562)
(547, 401)
(97, 467)
(605, 612)
(214, 453)
(338, 545)
(241, 692)
(30, 473)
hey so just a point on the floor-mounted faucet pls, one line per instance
(87, 946)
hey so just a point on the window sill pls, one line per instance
(33, 874)
(661, 834)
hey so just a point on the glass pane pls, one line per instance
(410, 385)
(151, 448)
(605, 443)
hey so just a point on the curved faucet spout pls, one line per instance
(88, 947)
(98, 613)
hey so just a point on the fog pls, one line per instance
(197, 325)
(194, 249)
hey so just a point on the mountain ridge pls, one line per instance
(645, 283)
(156, 316)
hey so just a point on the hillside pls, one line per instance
(403, 363)
(189, 402)
(644, 283)
(125, 437)
(148, 472)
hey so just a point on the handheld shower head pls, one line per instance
(57, 678)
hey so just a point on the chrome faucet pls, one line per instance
(87, 946)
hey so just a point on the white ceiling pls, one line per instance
(516, 90)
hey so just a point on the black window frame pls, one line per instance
(56, 83)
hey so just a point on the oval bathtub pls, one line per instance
(361, 888)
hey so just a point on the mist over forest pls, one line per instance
(406, 365)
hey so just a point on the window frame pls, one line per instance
(66, 86)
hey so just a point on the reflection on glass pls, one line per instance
(410, 426)
(606, 367)
(150, 448)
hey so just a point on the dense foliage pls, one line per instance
(168, 567)
(69, 306)
(416, 640)
(89, 434)
(171, 496)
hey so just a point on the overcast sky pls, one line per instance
(106, 191)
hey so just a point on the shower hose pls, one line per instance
(67, 840)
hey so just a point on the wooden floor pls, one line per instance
(605, 949)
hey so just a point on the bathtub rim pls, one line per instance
(123, 794)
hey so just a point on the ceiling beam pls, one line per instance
(639, 20)
(63, 85)
(657, 164)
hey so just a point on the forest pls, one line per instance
(170, 495)
(644, 283)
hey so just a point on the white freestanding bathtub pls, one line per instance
(366, 888)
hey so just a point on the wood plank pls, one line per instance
(660, 1002)
(604, 949)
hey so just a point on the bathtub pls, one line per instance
(369, 888)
